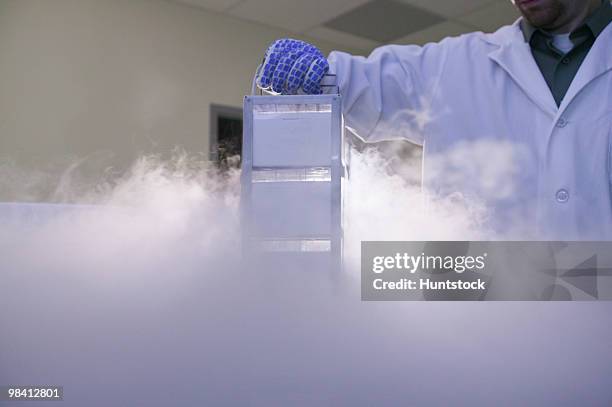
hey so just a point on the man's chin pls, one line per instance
(540, 18)
(540, 13)
(539, 22)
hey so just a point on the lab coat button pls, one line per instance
(562, 196)
(562, 122)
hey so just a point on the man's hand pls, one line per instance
(290, 65)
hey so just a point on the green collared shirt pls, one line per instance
(558, 68)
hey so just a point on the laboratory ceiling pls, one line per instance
(365, 24)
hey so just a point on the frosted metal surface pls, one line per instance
(292, 139)
(316, 174)
(291, 209)
(302, 246)
(292, 108)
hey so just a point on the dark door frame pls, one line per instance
(217, 111)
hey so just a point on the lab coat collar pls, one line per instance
(597, 62)
(513, 55)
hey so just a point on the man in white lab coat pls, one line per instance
(520, 119)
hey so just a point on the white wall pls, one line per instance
(127, 76)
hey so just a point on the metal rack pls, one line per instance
(292, 171)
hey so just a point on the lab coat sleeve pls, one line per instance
(386, 96)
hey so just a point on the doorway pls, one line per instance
(225, 136)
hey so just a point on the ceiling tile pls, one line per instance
(490, 18)
(216, 5)
(383, 20)
(342, 38)
(435, 33)
(449, 8)
(295, 16)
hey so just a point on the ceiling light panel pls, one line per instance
(384, 20)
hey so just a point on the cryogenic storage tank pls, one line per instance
(292, 175)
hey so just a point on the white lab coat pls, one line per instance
(473, 98)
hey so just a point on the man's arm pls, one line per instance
(387, 95)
